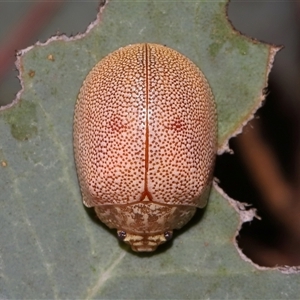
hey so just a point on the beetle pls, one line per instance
(145, 136)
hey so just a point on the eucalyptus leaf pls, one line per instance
(51, 246)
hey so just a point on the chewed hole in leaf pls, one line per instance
(54, 17)
(261, 173)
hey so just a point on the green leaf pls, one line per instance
(51, 246)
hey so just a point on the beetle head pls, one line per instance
(144, 243)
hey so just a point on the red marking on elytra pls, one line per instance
(117, 125)
(177, 125)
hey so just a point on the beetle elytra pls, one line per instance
(145, 135)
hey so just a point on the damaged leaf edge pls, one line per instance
(62, 37)
(273, 49)
(247, 215)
